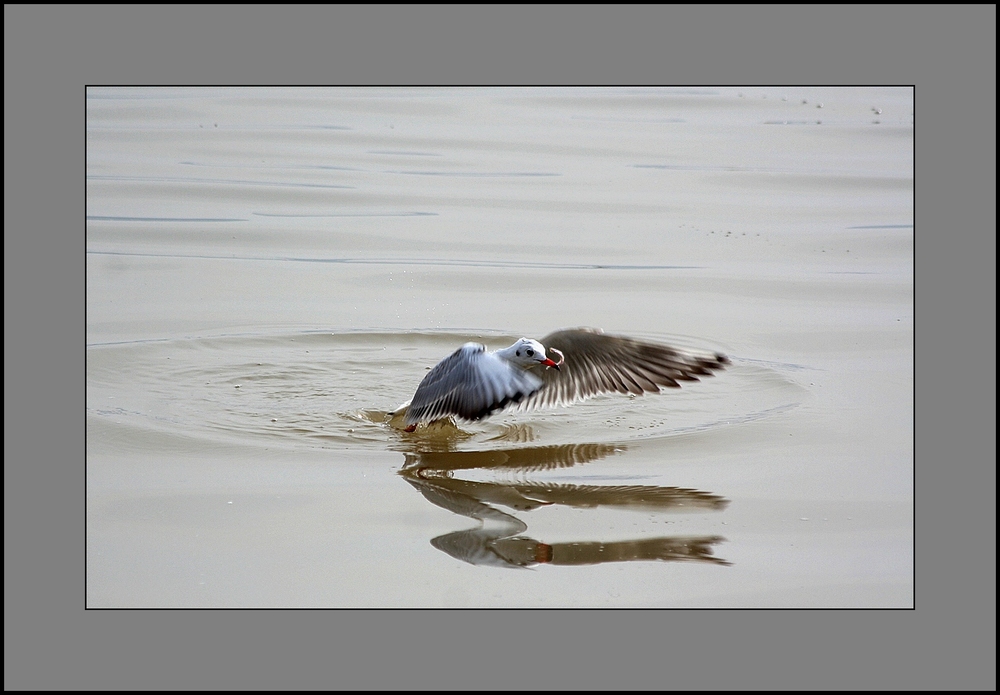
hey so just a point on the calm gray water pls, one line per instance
(271, 271)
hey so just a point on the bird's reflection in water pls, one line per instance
(501, 541)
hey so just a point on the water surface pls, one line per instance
(271, 271)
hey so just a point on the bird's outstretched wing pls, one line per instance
(596, 363)
(470, 384)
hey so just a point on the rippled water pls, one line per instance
(271, 272)
(319, 389)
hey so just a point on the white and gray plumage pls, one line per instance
(472, 384)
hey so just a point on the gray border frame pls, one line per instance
(51, 52)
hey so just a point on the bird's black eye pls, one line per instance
(530, 352)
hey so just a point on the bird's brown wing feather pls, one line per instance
(597, 363)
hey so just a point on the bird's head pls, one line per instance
(527, 353)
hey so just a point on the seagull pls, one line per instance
(471, 384)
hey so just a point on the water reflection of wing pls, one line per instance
(491, 548)
(522, 458)
(479, 547)
(632, 496)
(525, 551)
(474, 546)
(525, 496)
(497, 544)
(472, 500)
